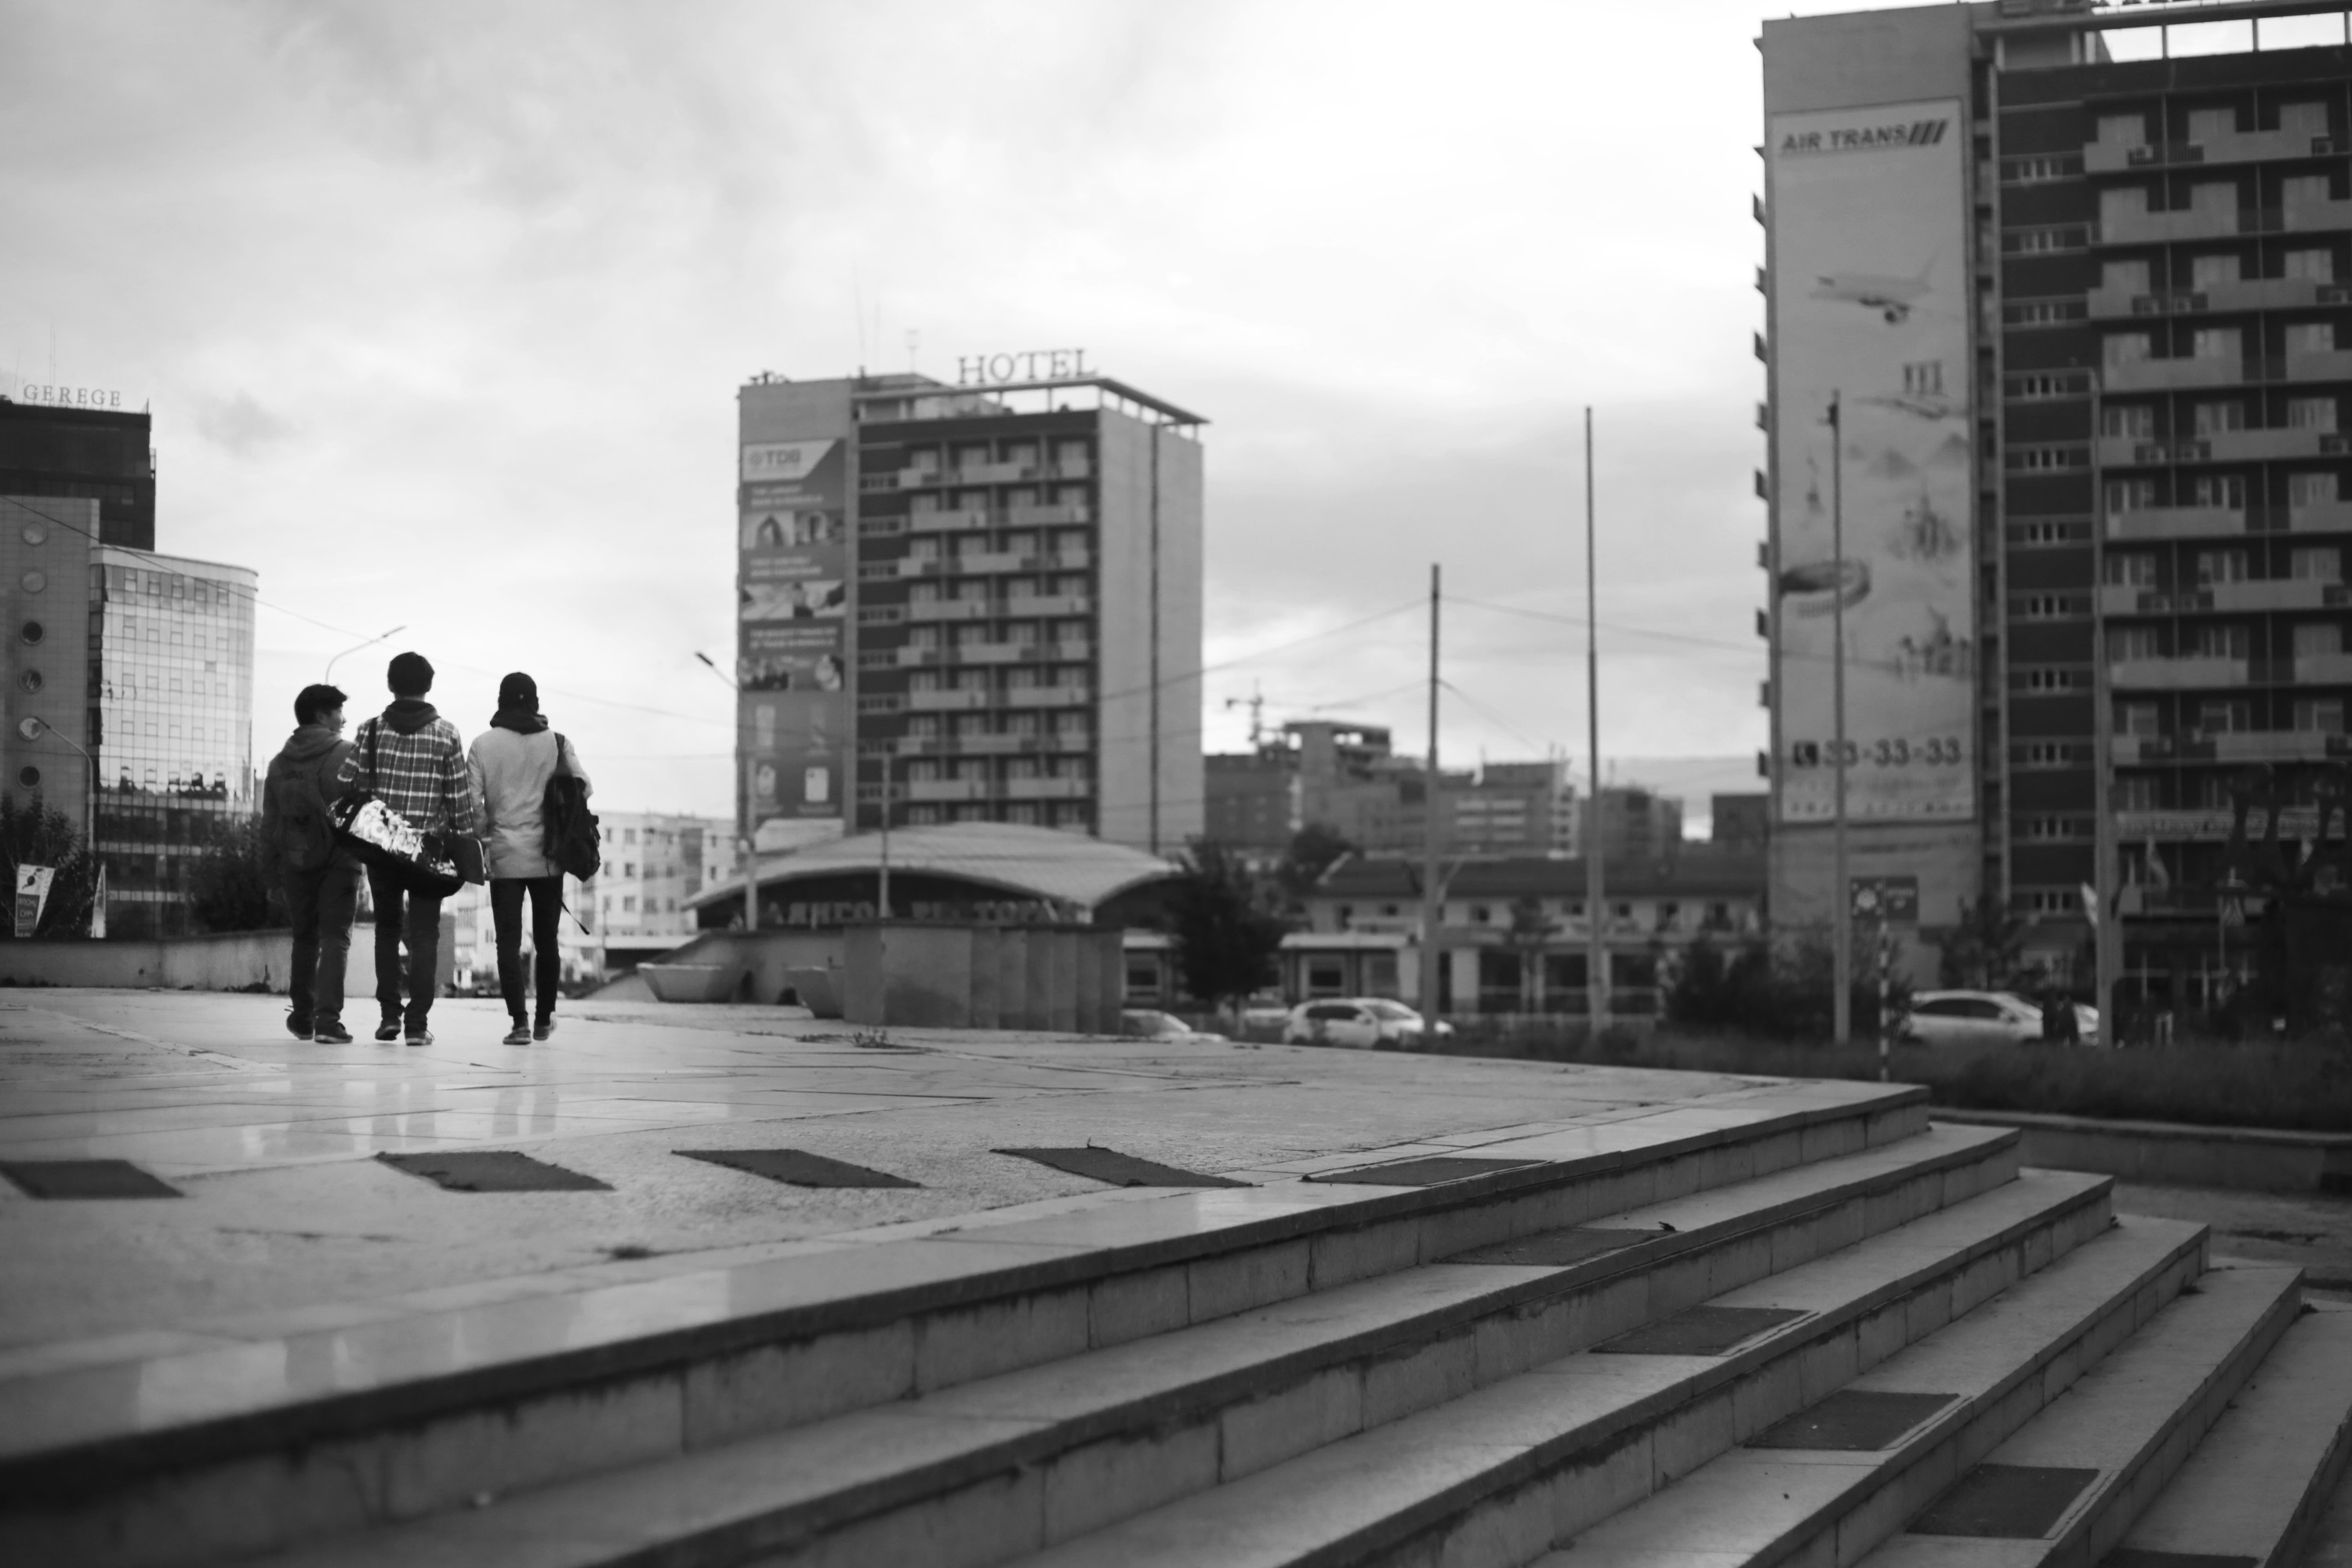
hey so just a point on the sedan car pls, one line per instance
(1984, 1017)
(1150, 1023)
(1359, 1023)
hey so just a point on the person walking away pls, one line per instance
(411, 759)
(320, 876)
(512, 762)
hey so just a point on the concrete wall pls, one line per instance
(230, 961)
(2247, 1159)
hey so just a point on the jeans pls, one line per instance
(401, 915)
(546, 915)
(321, 901)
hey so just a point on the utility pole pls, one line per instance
(882, 892)
(1433, 903)
(1840, 913)
(1596, 889)
(2106, 919)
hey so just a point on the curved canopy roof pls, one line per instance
(1029, 862)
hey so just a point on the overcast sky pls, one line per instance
(441, 309)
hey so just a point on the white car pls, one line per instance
(1357, 1023)
(1984, 1017)
(1150, 1023)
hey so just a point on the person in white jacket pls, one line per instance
(512, 762)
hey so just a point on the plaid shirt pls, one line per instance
(422, 776)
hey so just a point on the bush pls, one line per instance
(234, 885)
(1773, 995)
(33, 835)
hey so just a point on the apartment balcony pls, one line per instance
(2260, 294)
(1044, 606)
(2175, 522)
(917, 658)
(2122, 304)
(1061, 511)
(2334, 365)
(2176, 674)
(2273, 594)
(973, 562)
(961, 520)
(2128, 599)
(948, 610)
(2323, 670)
(2266, 446)
(2157, 228)
(2271, 746)
(1073, 468)
(995, 473)
(946, 701)
(1049, 696)
(2173, 374)
(2311, 217)
(922, 566)
(2320, 517)
(2234, 147)
(947, 789)
(1048, 789)
(1062, 561)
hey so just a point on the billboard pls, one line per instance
(791, 585)
(1870, 295)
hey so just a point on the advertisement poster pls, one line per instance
(1871, 294)
(793, 614)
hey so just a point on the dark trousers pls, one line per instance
(321, 901)
(546, 915)
(402, 916)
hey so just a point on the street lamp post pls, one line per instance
(355, 647)
(1841, 911)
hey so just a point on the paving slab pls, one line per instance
(288, 1215)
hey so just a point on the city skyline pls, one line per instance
(1394, 335)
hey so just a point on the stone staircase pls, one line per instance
(1790, 1323)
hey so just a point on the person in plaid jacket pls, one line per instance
(410, 758)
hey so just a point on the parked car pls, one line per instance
(1271, 1016)
(1984, 1017)
(1359, 1023)
(1150, 1023)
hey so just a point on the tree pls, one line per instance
(33, 835)
(1314, 848)
(1986, 951)
(235, 884)
(1228, 936)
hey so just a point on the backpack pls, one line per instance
(574, 843)
(306, 828)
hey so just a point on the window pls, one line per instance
(2308, 118)
(2130, 495)
(2050, 606)
(2123, 277)
(2225, 492)
(2039, 901)
(2319, 563)
(2027, 171)
(2124, 643)
(2119, 205)
(2030, 241)
(2055, 383)
(2214, 198)
(2044, 312)
(2221, 566)
(2056, 829)
(2215, 342)
(2125, 348)
(2138, 719)
(2298, 192)
(2311, 414)
(2319, 715)
(2132, 792)
(2131, 569)
(2311, 337)
(2311, 489)
(629, 905)
(2211, 125)
(2123, 129)
(2134, 421)
(2316, 265)
(2029, 535)
(2224, 716)
(2314, 639)
(2033, 459)
(2215, 417)
(2048, 680)
(2223, 641)
(2052, 755)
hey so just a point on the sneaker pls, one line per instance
(518, 1036)
(332, 1034)
(420, 1036)
(299, 1027)
(543, 1028)
(388, 1030)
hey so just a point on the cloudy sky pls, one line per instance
(441, 309)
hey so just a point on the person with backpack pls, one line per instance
(532, 790)
(409, 757)
(321, 878)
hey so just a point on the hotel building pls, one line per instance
(970, 603)
(2077, 282)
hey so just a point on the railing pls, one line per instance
(1047, 789)
(1047, 696)
(2175, 521)
(2193, 673)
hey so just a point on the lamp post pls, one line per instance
(355, 647)
(1841, 899)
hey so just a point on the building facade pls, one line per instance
(655, 865)
(75, 443)
(977, 604)
(2086, 325)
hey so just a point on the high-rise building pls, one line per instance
(977, 603)
(654, 864)
(81, 443)
(2075, 285)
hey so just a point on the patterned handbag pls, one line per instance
(427, 864)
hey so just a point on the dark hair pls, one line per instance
(410, 675)
(519, 691)
(313, 701)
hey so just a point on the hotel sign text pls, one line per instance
(985, 370)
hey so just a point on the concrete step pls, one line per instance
(2070, 1482)
(1499, 1475)
(1847, 1472)
(2256, 1485)
(245, 1445)
(1107, 1435)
